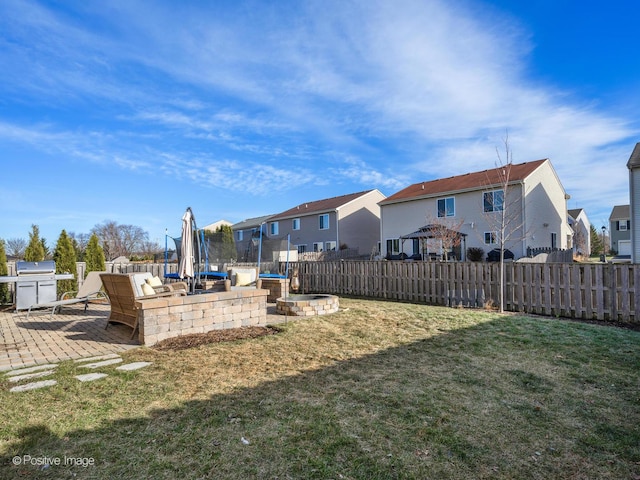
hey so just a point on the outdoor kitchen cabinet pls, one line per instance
(32, 292)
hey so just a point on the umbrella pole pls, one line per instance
(286, 277)
(166, 254)
(260, 250)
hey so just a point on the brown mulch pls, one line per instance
(229, 335)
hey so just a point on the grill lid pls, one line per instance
(35, 268)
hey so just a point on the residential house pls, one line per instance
(534, 207)
(620, 230)
(213, 227)
(581, 227)
(247, 235)
(634, 194)
(347, 221)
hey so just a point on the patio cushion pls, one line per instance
(154, 281)
(147, 289)
(243, 279)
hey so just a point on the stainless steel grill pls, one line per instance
(36, 283)
(46, 267)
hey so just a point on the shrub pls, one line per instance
(475, 254)
(5, 297)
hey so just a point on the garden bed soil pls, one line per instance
(228, 335)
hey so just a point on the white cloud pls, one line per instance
(261, 95)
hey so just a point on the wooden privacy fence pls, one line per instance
(584, 291)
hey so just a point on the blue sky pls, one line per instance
(131, 111)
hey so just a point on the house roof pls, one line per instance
(634, 159)
(620, 211)
(467, 182)
(574, 212)
(318, 206)
(250, 222)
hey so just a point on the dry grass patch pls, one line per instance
(379, 390)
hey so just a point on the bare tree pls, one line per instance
(81, 240)
(501, 212)
(149, 249)
(580, 243)
(120, 240)
(16, 247)
(446, 231)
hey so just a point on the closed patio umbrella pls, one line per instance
(187, 260)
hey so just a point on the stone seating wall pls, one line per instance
(162, 318)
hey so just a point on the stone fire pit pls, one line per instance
(307, 305)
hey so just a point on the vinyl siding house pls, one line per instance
(620, 229)
(581, 227)
(243, 232)
(347, 221)
(535, 205)
(634, 195)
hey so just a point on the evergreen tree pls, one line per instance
(221, 244)
(5, 297)
(94, 255)
(65, 258)
(45, 249)
(35, 251)
(77, 249)
(596, 242)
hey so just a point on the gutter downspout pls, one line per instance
(524, 219)
(337, 229)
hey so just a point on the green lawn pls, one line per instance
(380, 390)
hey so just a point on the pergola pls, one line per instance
(435, 231)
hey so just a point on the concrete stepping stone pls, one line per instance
(103, 363)
(133, 366)
(27, 376)
(33, 386)
(108, 356)
(90, 377)
(37, 368)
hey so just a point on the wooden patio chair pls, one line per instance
(123, 290)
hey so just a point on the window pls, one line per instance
(302, 248)
(554, 240)
(240, 235)
(273, 228)
(624, 225)
(324, 221)
(446, 207)
(490, 238)
(329, 246)
(393, 246)
(494, 201)
(295, 224)
(317, 246)
(416, 245)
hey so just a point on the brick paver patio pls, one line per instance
(70, 334)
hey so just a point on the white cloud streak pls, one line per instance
(282, 88)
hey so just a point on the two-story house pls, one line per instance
(620, 230)
(247, 235)
(581, 227)
(528, 196)
(634, 197)
(347, 221)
